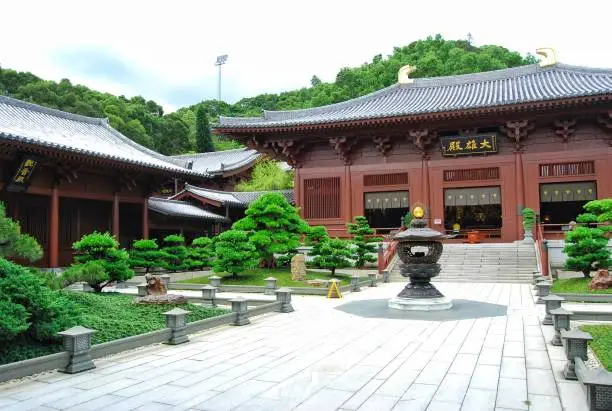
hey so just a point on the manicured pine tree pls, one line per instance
(204, 141)
(273, 226)
(175, 252)
(332, 253)
(15, 244)
(234, 253)
(364, 245)
(200, 253)
(146, 254)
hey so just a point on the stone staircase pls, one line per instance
(487, 263)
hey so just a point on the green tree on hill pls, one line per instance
(203, 140)
(267, 175)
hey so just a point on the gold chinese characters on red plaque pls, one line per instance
(467, 145)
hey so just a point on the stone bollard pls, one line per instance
(284, 296)
(372, 277)
(535, 275)
(165, 279)
(538, 280)
(215, 281)
(355, 283)
(543, 290)
(561, 321)
(142, 290)
(176, 320)
(270, 286)
(209, 293)
(575, 345)
(239, 308)
(552, 302)
(77, 342)
(385, 275)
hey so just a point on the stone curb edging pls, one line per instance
(590, 298)
(36, 365)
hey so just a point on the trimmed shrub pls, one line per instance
(528, 218)
(15, 244)
(200, 253)
(364, 245)
(175, 253)
(234, 253)
(146, 254)
(332, 253)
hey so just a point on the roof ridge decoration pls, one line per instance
(403, 74)
(550, 57)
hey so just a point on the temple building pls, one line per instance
(473, 149)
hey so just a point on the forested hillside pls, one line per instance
(144, 120)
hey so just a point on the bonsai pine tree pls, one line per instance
(200, 254)
(234, 253)
(175, 252)
(587, 247)
(273, 226)
(145, 254)
(364, 245)
(315, 236)
(528, 218)
(332, 253)
(104, 250)
(15, 244)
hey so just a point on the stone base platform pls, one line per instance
(421, 304)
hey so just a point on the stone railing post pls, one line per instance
(552, 302)
(561, 321)
(165, 279)
(215, 281)
(270, 286)
(543, 290)
(176, 320)
(535, 275)
(372, 277)
(575, 345)
(355, 283)
(283, 295)
(77, 342)
(385, 275)
(209, 293)
(239, 308)
(142, 290)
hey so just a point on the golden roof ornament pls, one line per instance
(403, 75)
(549, 56)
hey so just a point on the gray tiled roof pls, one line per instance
(182, 209)
(524, 84)
(235, 198)
(218, 162)
(32, 124)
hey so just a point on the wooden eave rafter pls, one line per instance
(188, 194)
(243, 132)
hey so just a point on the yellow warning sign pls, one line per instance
(334, 291)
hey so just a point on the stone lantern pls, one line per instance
(561, 321)
(552, 302)
(77, 342)
(576, 342)
(419, 249)
(176, 320)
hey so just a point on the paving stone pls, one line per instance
(513, 368)
(479, 400)
(512, 393)
(514, 349)
(485, 377)
(433, 373)
(398, 383)
(325, 399)
(544, 403)
(362, 395)
(535, 344)
(463, 364)
(571, 394)
(452, 388)
(541, 381)
(236, 396)
(87, 395)
(97, 403)
(443, 406)
(416, 398)
(379, 403)
(537, 359)
(490, 356)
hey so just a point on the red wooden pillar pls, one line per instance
(520, 192)
(116, 216)
(54, 229)
(348, 194)
(145, 219)
(425, 189)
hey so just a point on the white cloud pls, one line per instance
(274, 45)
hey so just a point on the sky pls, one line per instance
(166, 50)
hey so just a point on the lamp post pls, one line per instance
(221, 60)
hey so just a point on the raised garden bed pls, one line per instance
(113, 315)
(601, 343)
(575, 286)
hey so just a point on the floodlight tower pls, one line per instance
(221, 60)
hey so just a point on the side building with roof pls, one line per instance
(473, 150)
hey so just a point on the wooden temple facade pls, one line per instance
(473, 149)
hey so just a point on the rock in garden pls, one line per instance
(161, 299)
(601, 281)
(298, 267)
(155, 285)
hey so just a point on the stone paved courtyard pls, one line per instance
(322, 358)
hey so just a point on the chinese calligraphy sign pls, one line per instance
(23, 175)
(466, 145)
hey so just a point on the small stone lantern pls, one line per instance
(283, 295)
(77, 342)
(270, 286)
(239, 308)
(215, 281)
(576, 342)
(209, 293)
(543, 290)
(165, 279)
(561, 321)
(372, 277)
(552, 302)
(536, 281)
(142, 290)
(355, 283)
(176, 320)
(535, 275)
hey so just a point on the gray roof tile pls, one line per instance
(218, 162)
(32, 124)
(235, 198)
(182, 209)
(524, 84)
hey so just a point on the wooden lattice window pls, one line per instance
(322, 197)
(385, 179)
(567, 169)
(490, 173)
